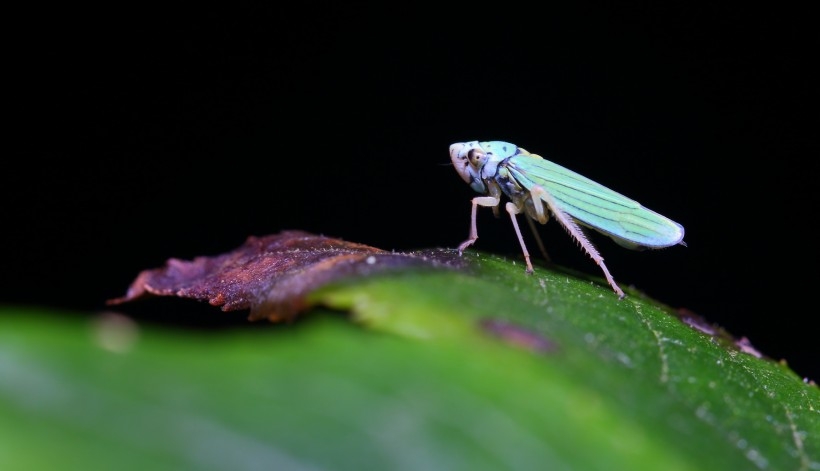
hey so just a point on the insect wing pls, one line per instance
(596, 206)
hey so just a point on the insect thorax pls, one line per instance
(520, 196)
(508, 185)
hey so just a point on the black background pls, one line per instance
(148, 134)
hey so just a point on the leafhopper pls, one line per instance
(540, 188)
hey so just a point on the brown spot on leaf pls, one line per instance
(696, 321)
(718, 333)
(272, 275)
(518, 336)
(746, 346)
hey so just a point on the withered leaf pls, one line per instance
(272, 275)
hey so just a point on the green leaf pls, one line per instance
(440, 369)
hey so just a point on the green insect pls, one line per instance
(532, 182)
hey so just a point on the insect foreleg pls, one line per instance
(514, 210)
(486, 201)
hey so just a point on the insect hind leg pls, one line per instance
(575, 231)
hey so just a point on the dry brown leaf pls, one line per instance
(272, 275)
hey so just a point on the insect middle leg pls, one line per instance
(513, 210)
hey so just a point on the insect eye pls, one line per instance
(475, 156)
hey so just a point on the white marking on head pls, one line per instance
(466, 164)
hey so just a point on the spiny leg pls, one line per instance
(575, 232)
(486, 201)
(513, 210)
